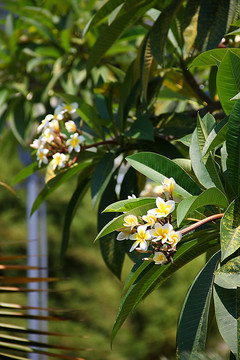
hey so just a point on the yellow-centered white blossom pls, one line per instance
(150, 219)
(54, 125)
(61, 109)
(130, 221)
(173, 238)
(124, 234)
(164, 208)
(161, 232)
(168, 185)
(140, 237)
(59, 160)
(47, 136)
(158, 190)
(74, 142)
(70, 126)
(36, 144)
(41, 156)
(159, 258)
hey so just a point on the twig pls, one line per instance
(200, 223)
(194, 85)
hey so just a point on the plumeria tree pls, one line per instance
(136, 105)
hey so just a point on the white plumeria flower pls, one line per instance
(41, 156)
(131, 221)
(59, 160)
(147, 191)
(150, 219)
(36, 144)
(173, 238)
(47, 136)
(158, 190)
(70, 126)
(74, 142)
(164, 208)
(168, 185)
(132, 196)
(54, 125)
(159, 258)
(63, 108)
(123, 235)
(161, 232)
(140, 237)
(44, 123)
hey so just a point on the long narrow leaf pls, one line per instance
(157, 167)
(212, 196)
(193, 320)
(233, 148)
(114, 31)
(156, 275)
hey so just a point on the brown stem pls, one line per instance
(200, 223)
(194, 85)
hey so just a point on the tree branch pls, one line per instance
(194, 85)
(200, 223)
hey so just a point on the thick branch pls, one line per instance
(200, 223)
(194, 85)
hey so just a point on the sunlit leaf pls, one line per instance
(216, 137)
(230, 229)
(227, 311)
(157, 167)
(211, 196)
(228, 80)
(129, 204)
(114, 31)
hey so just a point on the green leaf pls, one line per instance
(216, 137)
(24, 173)
(129, 204)
(230, 229)
(155, 275)
(227, 310)
(102, 176)
(114, 31)
(159, 32)
(141, 128)
(157, 167)
(58, 180)
(211, 196)
(78, 194)
(105, 10)
(86, 111)
(204, 168)
(228, 79)
(193, 319)
(117, 222)
(228, 275)
(113, 251)
(233, 148)
(213, 22)
(189, 25)
(209, 58)
(146, 64)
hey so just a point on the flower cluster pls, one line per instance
(153, 232)
(58, 137)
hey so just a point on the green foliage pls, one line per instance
(155, 93)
